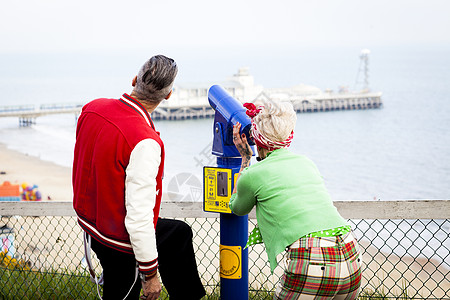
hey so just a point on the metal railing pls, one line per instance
(405, 249)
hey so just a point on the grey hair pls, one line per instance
(276, 121)
(155, 79)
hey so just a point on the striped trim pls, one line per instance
(138, 107)
(148, 267)
(93, 231)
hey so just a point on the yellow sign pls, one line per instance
(217, 189)
(230, 262)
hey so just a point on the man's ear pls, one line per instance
(168, 96)
(133, 82)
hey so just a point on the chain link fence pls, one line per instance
(43, 257)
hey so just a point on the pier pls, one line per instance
(183, 113)
(338, 102)
(191, 102)
(27, 114)
(310, 104)
(200, 109)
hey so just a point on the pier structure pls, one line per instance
(27, 114)
(183, 113)
(191, 101)
(318, 103)
(328, 101)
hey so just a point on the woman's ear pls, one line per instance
(133, 82)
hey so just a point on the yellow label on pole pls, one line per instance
(217, 189)
(230, 262)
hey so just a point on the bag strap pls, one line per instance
(87, 255)
(94, 279)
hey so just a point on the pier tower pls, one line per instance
(363, 68)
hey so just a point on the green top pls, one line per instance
(290, 197)
(255, 237)
(330, 232)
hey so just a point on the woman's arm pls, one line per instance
(244, 149)
(243, 202)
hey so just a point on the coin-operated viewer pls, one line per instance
(218, 185)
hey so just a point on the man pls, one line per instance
(117, 180)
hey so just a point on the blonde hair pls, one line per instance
(276, 121)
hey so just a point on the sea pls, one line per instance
(400, 151)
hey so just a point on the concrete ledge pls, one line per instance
(404, 209)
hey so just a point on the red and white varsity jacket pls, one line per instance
(117, 177)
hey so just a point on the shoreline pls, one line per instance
(53, 181)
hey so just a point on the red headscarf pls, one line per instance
(261, 140)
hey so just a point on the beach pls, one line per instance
(53, 181)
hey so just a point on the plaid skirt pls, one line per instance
(321, 268)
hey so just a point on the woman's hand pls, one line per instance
(241, 142)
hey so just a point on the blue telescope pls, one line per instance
(229, 111)
(233, 228)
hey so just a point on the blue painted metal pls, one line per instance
(234, 232)
(233, 228)
(229, 111)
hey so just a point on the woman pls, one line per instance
(294, 211)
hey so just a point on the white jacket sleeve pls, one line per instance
(140, 199)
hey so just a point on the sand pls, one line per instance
(53, 181)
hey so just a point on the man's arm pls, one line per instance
(140, 199)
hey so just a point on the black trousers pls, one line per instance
(176, 260)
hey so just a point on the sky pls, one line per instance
(174, 25)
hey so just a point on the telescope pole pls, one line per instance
(233, 232)
(218, 181)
